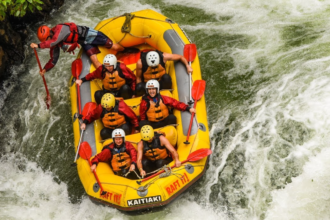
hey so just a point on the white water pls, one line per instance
(270, 147)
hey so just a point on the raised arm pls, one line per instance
(176, 57)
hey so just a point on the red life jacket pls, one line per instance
(73, 37)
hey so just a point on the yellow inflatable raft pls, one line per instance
(145, 29)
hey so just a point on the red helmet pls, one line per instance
(43, 33)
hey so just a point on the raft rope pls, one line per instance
(126, 28)
(145, 187)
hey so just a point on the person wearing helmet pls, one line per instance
(114, 114)
(154, 110)
(121, 155)
(67, 36)
(117, 79)
(151, 65)
(154, 151)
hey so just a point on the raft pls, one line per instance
(142, 30)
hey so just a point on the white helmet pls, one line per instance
(152, 84)
(111, 59)
(117, 133)
(152, 59)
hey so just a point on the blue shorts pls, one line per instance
(93, 39)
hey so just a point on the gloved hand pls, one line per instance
(70, 47)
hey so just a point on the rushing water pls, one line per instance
(266, 64)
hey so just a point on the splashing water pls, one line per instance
(267, 70)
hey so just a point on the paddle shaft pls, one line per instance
(190, 124)
(191, 101)
(75, 159)
(79, 100)
(162, 171)
(96, 177)
(43, 77)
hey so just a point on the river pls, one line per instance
(266, 65)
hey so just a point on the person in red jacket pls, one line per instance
(154, 110)
(70, 33)
(114, 114)
(120, 155)
(117, 78)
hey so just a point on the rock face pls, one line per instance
(13, 33)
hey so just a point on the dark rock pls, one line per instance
(13, 34)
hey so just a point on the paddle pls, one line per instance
(76, 68)
(85, 153)
(189, 52)
(192, 157)
(197, 93)
(48, 99)
(90, 106)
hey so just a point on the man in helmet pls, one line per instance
(151, 65)
(120, 155)
(72, 34)
(154, 110)
(154, 151)
(117, 79)
(114, 114)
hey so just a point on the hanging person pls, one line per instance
(154, 109)
(154, 151)
(151, 65)
(120, 155)
(114, 114)
(117, 78)
(67, 36)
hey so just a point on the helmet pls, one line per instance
(147, 133)
(111, 59)
(43, 32)
(152, 84)
(152, 59)
(108, 100)
(118, 133)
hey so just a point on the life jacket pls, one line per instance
(113, 119)
(73, 36)
(113, 81)
(148, 72)
(156, 111)
(119, 158)
(154, 151)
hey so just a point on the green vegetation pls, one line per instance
(18, 8)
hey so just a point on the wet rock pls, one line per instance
(13, 33)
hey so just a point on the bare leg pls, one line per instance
(117, 47)
(95, 61)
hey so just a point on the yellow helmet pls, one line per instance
(108, 100)
(147, 133)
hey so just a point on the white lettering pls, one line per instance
(144, 200)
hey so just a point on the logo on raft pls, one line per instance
(142, 201)
(176, 185)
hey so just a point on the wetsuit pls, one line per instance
(120, 109)
(112, 155)
(88, 38)
(155, 155)
(168, 101)
(125, 91)
(159, 73)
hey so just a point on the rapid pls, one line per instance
(266, 66)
